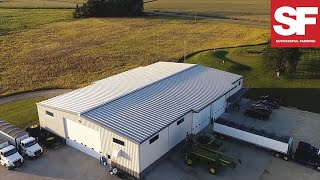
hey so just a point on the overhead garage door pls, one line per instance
(218, 107)
(83, 138)
(201, 120)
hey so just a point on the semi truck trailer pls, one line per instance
(25, 144)
(280, 146)
(9, 156)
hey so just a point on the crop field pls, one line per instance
(71, 54)
(40, 3)
(22, 113)
(254, 10)
(302, 90)
(12, 20)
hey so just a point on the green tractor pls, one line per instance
(206, 148)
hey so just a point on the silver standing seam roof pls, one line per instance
(11, 130)
(141, 102)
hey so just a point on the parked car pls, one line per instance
(256, 114)
(275, 99)
(262, 107)
(269, 103)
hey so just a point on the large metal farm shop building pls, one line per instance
(135, 117)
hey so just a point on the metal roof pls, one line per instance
(109, 89)
(11, 130)
(141, 102)
(142, 114)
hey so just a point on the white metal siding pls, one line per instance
(201, 120)
(238, 87)
(218, 107)
(56, 124)
(149, 153)
(177, 133)
(252, 138)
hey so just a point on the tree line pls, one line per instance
(109, 8)
(282, 61)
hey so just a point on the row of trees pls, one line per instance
(109, 8)
(281, 60)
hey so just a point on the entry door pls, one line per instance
(83, 138)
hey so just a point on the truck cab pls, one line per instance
(308, 155)
(30, 148)
(10, 158)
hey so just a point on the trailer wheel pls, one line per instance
(318, 168)
(5, 165)
(213, 170)
(277, 155)
(285, 158)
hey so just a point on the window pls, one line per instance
(49, 113)
(239, 82)
(180, 121)
(118, 141)
(153, 139)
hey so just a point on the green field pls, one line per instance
(302, 90)
(73, 53)
(22, 113)
(255, 10)
(12, 20)
(40, 3)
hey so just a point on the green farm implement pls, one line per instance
(206, 148)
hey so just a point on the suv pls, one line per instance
(275, 99)
(272, 105)
(256, 114)
(261, 107)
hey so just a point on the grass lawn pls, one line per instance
(255, 10)
(22, 113)
(40, 3)
(13, 20)
(302, 91)
(73, 53)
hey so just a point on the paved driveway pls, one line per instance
(257, 163)
(64, 163)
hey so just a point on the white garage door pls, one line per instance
(83, 138)
(218, 107)
(201, 120)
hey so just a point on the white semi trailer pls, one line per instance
(281, 146)
(25, 144)
(9, 157)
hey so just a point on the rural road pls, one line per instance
(157, 13)
(49, 93)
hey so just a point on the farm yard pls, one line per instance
(67, 50)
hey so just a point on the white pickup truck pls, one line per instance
(9, 156)
(26, 145)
